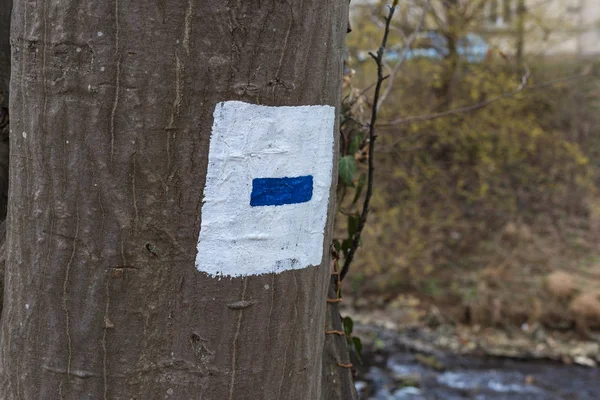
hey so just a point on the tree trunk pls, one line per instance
(112, 110)
(451, 59)
(520, 42)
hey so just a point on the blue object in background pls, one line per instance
(280, 191)
(433, 45)
(470, 47)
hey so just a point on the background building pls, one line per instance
(551, 27)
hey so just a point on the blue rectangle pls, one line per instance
(280, 191)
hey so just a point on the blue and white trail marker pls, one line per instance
(280, 191)
(267, 189)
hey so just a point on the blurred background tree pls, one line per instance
(486, 160)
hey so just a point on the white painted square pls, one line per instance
(251, 141)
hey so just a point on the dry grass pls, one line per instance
(531, 275)
(587, 307)
(561, 284)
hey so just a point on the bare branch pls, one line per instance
(365, 209)
(365, 90)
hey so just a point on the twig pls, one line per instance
(335, 332)
(380, 78)
(365, 90)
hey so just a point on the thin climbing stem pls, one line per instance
(378, 58)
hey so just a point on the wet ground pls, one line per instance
(391, 371)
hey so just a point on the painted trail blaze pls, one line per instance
(281, 191)
(267, 189)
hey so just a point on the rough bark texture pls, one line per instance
(338, 379)
(4, 159)
(5, 7)
(5, 11)
(2, 260)
(111, 112)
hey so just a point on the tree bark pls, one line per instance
(111, 111)
(5, 8)
(338, 369)
(5, 12)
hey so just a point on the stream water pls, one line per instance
(395, 373)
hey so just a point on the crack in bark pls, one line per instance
(188, 27)
(117, 82)
(287, 345)
(65, 286)
(104, 353)
(285, 45)
(233, 26)
(133, 194)
(235, 338)
(44, 70)
(285, 41)
(123, 251)
(255, 54)
(179, 69)
(272, 288)
(240, 305)
(77, 373)
(19, 378)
